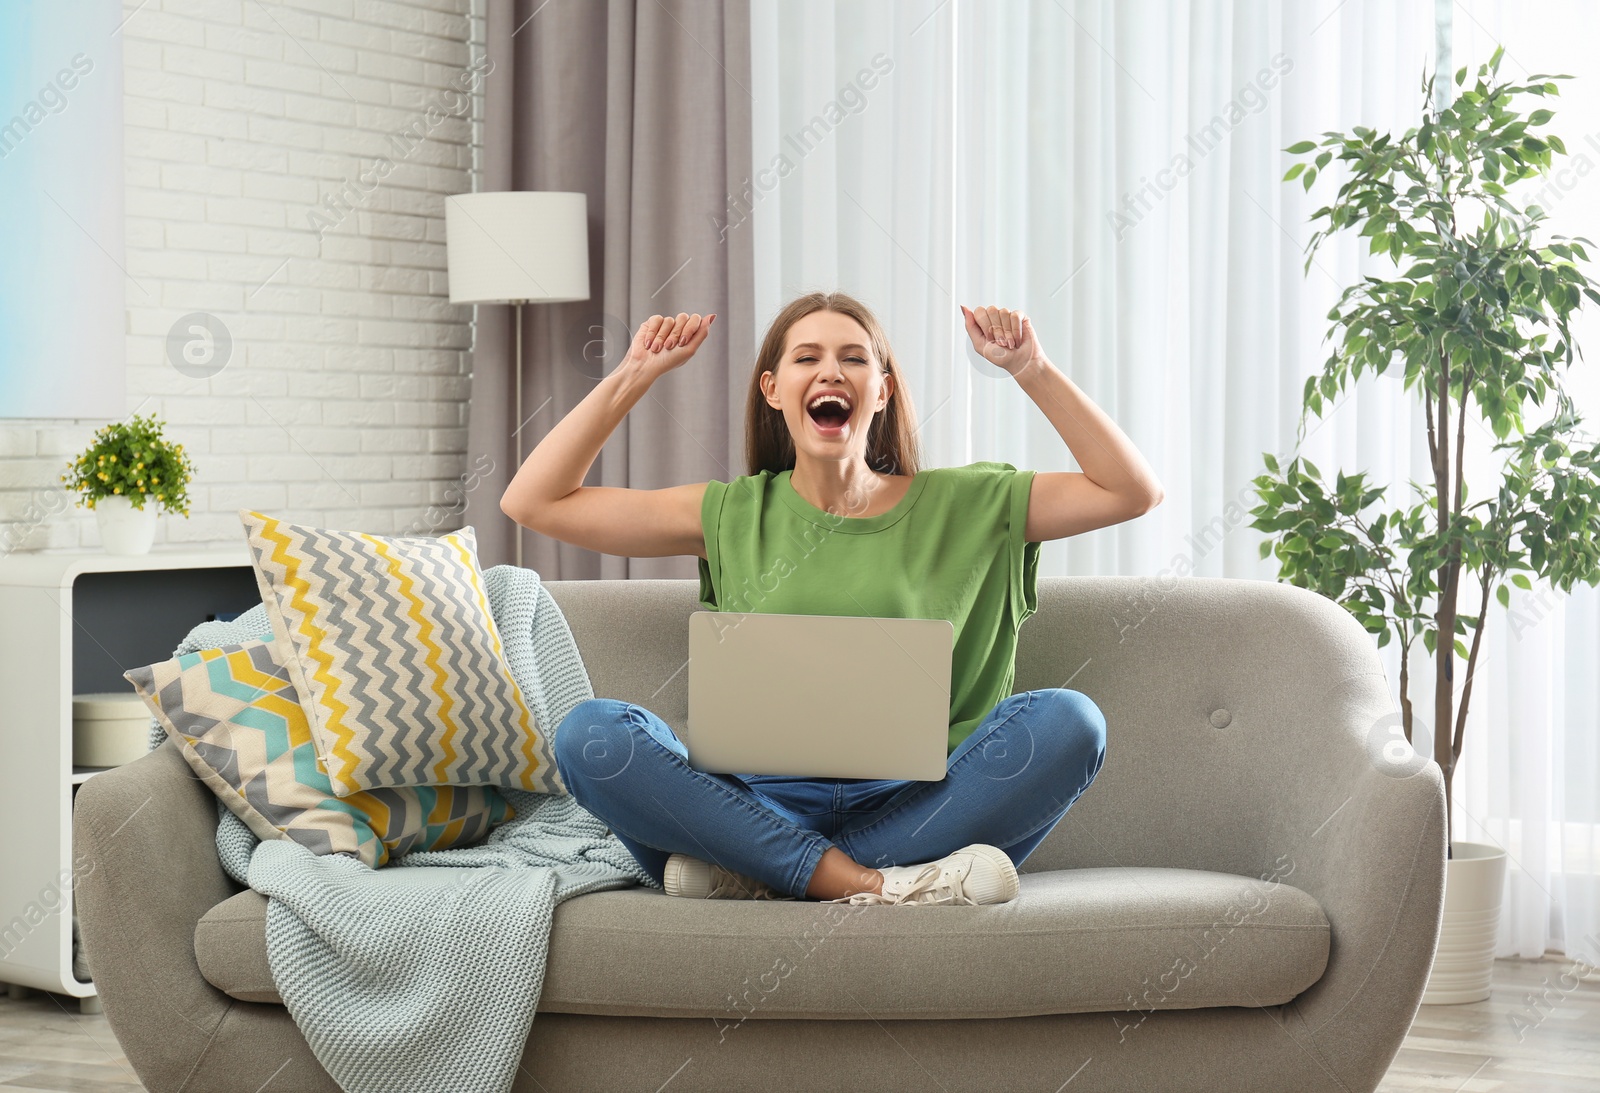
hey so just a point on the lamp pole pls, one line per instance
(517, 432)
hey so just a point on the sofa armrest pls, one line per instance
(1243, 721)
(145, 839)
(1377, 867)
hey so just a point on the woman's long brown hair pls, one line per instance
(892, 445)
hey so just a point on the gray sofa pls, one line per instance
(1242, 901)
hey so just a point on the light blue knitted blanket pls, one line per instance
(424, 975)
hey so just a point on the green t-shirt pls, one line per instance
(953, 549)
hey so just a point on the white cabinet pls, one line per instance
(72, 623)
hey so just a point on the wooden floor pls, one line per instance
(1537, 1034)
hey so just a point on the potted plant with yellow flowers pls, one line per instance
(127, 476)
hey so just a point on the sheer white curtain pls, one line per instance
(1113, 170)
(853, 124)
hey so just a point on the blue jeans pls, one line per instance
(1007, 784)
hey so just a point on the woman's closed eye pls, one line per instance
(802, 360)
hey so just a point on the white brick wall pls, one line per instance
(344, 403)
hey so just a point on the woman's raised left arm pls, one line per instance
(1116, 482)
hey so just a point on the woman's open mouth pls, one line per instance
(829, 417)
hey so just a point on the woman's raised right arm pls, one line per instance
(547, 493)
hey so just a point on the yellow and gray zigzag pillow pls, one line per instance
(395, 655)
(238, 722)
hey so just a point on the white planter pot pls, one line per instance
(1463, 966)
(123, 528)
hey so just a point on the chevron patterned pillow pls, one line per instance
(238, 722)
(391, 645)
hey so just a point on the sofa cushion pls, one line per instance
(230, 944)
(394, 652)
(239, 724)
(1073, 941)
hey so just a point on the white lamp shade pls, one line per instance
(517, 246)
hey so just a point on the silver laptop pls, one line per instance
(819, 696)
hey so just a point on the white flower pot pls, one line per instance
(1463, 966)
(123, 528)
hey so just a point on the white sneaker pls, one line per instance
(696, 879)
(971, 876)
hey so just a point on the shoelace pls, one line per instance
(925, 889)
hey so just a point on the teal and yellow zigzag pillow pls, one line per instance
(394, 652)
(236, 717)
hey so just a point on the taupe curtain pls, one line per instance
(644, 106)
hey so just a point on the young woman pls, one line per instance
(837, 518)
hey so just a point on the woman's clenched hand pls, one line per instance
(664, 342)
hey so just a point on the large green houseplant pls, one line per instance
(1477, 310)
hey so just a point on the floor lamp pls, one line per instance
(517, 247)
